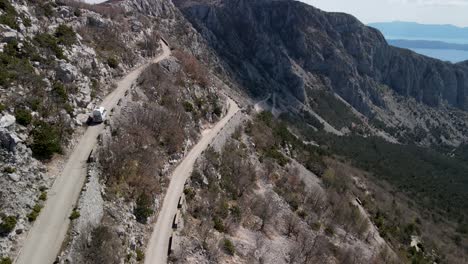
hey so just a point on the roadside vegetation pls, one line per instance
(226, 202)
(245, 190)
(145, 141)
(420, 190)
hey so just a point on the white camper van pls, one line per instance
(99, 115)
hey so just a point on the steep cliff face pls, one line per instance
(263, 42)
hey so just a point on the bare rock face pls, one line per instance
(261, 41)
(8, 137)
(7, 121)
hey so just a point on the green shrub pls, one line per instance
(68, 108)
(65, 35)
(113, 62)
(395, 164)
(26, 21)
(49, 42)
(236, 212)
(9, 16)
(75, 214)
(15, 66)
(329, 231)
(143, 208)
(302, 214)
(140, 255)
(2, 107)
(23, 116)
(229, 247)
(6, 260)
(77, 12)
(6, 6)
(315, 226)
(34, 213)
(46, 10)
(7, 225)
(277, 155)
(217, 110)
(9, 170)
(43, 196)
(218, 224)
(188, 106)
(9, 20)
(60, 91)
(189, 194)
(46, 141)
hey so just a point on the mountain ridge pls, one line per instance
(417, 30)
(348, 47)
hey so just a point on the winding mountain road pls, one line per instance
(44, 240)
(158, 246)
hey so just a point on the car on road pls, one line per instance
(98, 115)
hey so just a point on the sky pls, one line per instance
(453, 12)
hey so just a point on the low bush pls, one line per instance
(229, 247)
(75, 214)
(34, 213)
(8, 224)
(189, 193)
(140, 255)
(218, 224)
(77, 12)
(43, 196)
(9, 20)
(193, 67)
(6, 260)
(9, 170)
(329, 231)
(188, 107)
(277, 155)
(9, 16)
(65, 35)
(23, 116)
(113, 62)
(143, 208)
(2, 107)
(46, 9)
(236, 212)
(46, 141)
(217, 110)
(315, 226)
(26, 21)
(6, 6)
(49, 42)
(60, 91)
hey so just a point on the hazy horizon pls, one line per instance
(440, 12)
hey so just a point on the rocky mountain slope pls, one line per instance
(319, 72)
(291, 48)
(58, 59)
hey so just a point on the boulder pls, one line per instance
(14, 177)
(66, 72)
(8, 140)
(7, 121)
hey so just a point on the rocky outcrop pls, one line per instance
(261, 40)
(8, 137)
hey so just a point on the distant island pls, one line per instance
(426, 44)
(412, 30)
(444, 42)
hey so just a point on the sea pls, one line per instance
(453, 56)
